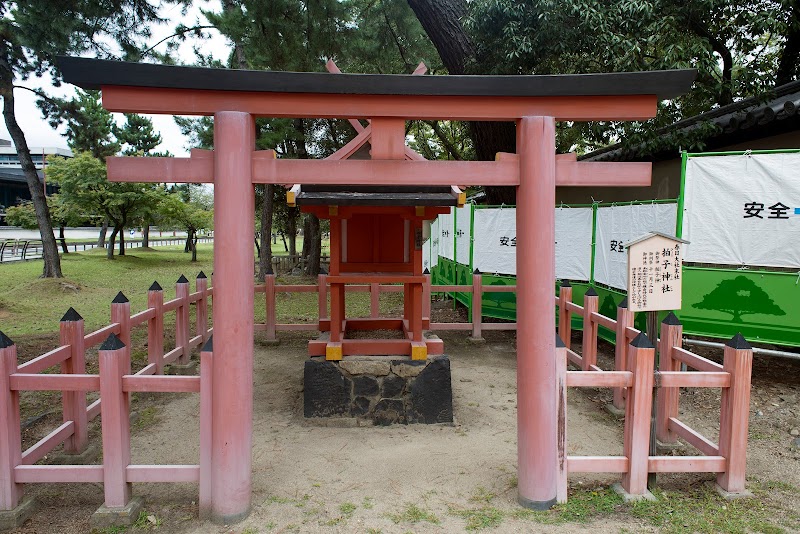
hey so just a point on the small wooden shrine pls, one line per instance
(376, 238)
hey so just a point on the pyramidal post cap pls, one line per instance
(155, 286)
(642, 342)
(671, 319)
(112, 342)
(183, 280)
(71, 316)
(5, 341)
(270, 271)
(120, 298)
(209, 346)
(624, 303)
(559, 342)
(591, 292)
(565, 283)
(201, 275)
(322, 270)
(426, 271)
(739, 342)
(476, 271)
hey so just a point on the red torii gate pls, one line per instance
(234, 98)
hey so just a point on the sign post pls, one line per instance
(654, 284)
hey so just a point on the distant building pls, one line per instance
(13, 186)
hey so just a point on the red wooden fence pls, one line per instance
(115, 382)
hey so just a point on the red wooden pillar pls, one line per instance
(155, 328)
(477, 305)
(641, 354)
(671, 336)
(10, 439)
(201, 314)
(561, 398)
(234, 258)
(269, 301)
(206, 370)
(74, 402)
(734, 419)
(564, 315)
(322, 301)
(182, 319)
(624, 321)
(374, 301)
(589, 343)
(537, 418)
(121, 313)
(114, 363)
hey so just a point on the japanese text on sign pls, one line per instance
(654, 274)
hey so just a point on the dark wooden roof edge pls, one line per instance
(761, 111)
(94, 73)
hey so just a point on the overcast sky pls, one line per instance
(39, 133)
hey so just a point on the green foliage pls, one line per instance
(192, 216)
(22, 215)
(89, 126)
(137, 135)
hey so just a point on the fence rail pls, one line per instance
(31, 249)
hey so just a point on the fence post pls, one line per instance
(182, 320)
(735, 414)
(561, 399)
(121, 313)
(322, 294)
(155, 328)
(10, 438)
(624, 321)
(638, 408)
(115, 424)
(589, 343)
(477, 306)
(201, 311)
(671, 336)
(564, 315)
(374, 300)
(206, 366)
(71, 331)
(269, 301)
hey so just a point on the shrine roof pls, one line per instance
(316, 195)
(96, 73)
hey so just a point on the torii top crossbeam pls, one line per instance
(234, 98)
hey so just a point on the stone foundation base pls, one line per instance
(88, 456)
(117, 517)
(380, 389)
(628, 497)
(619, 413)
(732, 495)
(10, 519)
(189, 369)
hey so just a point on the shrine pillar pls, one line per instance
(232, 376)
(537, 417)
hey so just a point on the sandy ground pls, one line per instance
(331, 479)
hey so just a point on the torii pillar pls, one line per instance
(232, 384)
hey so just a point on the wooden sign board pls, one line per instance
(654, 272)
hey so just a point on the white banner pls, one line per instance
(446, 235)
(574, 243)
(434, 244)
(743, 210)
(463, 238)
(426, 255)
(495, 241)
(617, 225)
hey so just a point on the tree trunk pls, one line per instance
(187, 246)
(63, 240)
(101, 240)
(283, 238)
(111, 243)
(442, 21)
(122, 241)
(789, 61)
(267, 210)
(52, 261)
(146, 235)
(291, 229)
(313, 237)
(194, 247)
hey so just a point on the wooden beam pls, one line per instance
(165, 101)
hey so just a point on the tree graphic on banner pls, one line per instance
(739, 297)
